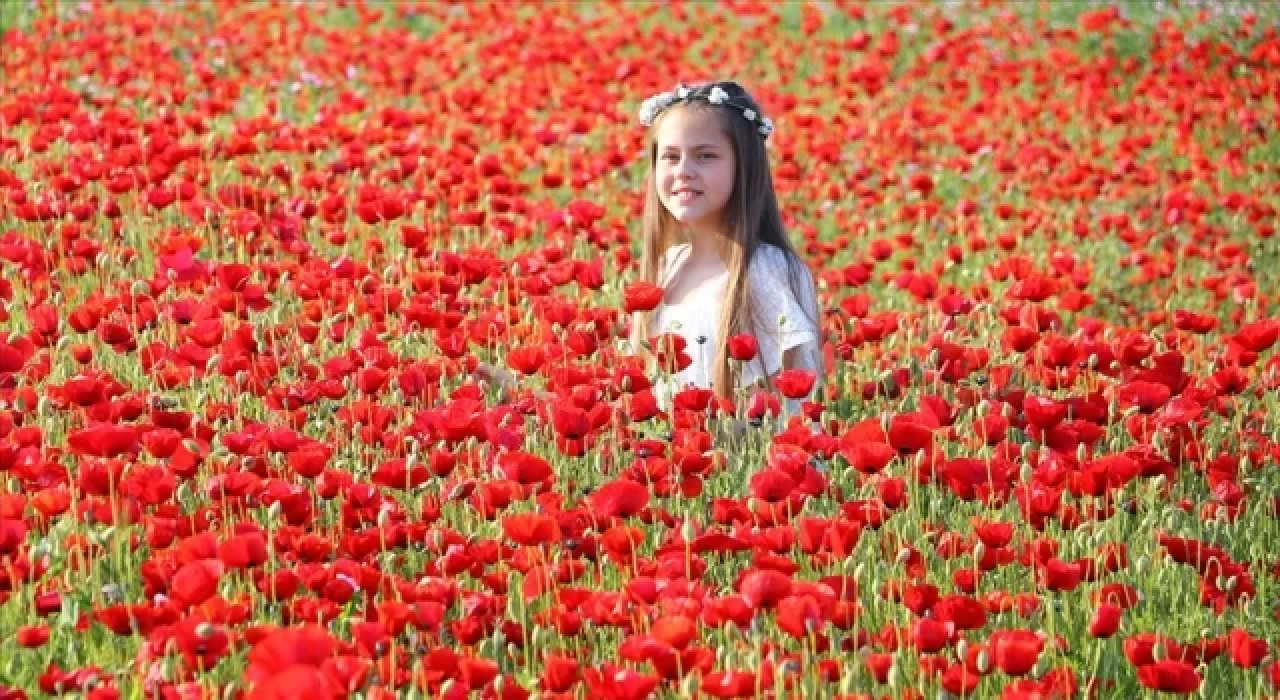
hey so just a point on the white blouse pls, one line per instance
(698, 316)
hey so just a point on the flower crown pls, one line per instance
(652, 107)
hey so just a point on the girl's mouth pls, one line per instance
(685, 195)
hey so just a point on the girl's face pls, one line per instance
(695, 168)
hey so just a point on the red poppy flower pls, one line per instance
(1170, 677)
(1015, 651)
(679, 631)
(995, 535)
(1258, 336)
(868, 457)
(909, 433)
(531, 529)
(32, 636)
(105, 440)
(1245, 650)
(1105, 621)
(799, 616)
(641, 296)
(559, 673)
(569, 421)
(930, 635)
(1058, 575)
(621, 498)
(1044, 413)
(772, 485)
(964, 612)
(763, 588)
(795, 383)
(743, 347)
(611, 681)
(729, 684)
(196, 581)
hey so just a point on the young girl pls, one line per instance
(713, 239)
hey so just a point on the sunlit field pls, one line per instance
(252, 253)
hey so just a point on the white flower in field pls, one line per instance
(717, 95)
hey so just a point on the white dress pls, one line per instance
(697, 316)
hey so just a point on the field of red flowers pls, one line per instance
(250, 254)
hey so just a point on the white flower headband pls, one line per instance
(652, 107)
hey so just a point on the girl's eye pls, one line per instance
(708, 156)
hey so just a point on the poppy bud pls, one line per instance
(743, 347)
(984, 661)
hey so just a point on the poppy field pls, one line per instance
(251, 255)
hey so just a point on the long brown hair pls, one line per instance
(752, 219)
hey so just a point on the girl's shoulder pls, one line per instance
(771, 266)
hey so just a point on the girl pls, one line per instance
(713, 239)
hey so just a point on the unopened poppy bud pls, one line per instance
(984, 661)
(890, 382)
(687, 530)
